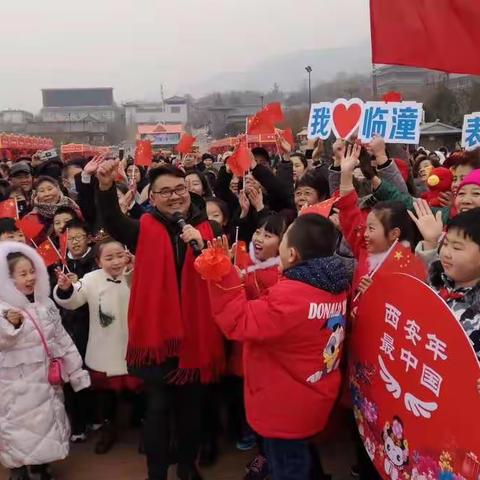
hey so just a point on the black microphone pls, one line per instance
(180, 221)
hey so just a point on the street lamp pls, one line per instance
(309, 71)
(262, 99)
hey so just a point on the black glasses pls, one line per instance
(167, 192)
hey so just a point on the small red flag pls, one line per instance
(241, 256)
(274, 112)
(143, 153)
(185, 144)
(323, 208)
(241, 160)
(63, 246)
(30, 226)
(48, 252)
(402, 260)
(8, 209)
(287, 135)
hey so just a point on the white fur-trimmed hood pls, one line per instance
(8, 292)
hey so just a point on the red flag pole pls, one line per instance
(64, 262)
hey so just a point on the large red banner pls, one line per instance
(438, 34)
(413, 375)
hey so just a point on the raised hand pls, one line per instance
(92, 166)
(350, 161)
(63, 281)
(244, 204)
(377, 148)
(255, 198)
(107, 173)
(339, 148)
(429, 225)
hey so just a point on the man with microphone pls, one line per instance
(174, 344)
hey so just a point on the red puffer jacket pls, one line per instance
(293, 337)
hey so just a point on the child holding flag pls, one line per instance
(107, 293)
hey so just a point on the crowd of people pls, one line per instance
(123, 316)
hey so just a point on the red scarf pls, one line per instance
(164, 322)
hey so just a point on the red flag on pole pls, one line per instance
(63, 246)
(264, 121)
(274, 112)
(402, 260)
(48, 252)
(8, 209)
(30, 226)
(241, 159)
(143, 153)
(441, 34)
(287, 135)
(185, 144)
(323, 208)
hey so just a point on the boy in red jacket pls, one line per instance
(293, 338)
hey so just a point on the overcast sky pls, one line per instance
(136, 45)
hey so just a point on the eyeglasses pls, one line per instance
(167, 192)
(77, 239)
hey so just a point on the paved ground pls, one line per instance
(124, 463)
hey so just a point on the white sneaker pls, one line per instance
(79, 438)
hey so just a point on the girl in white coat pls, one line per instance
(34, 428)
(107, 293)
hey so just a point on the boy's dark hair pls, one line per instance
(78, 224)
(312, 236)
(393, 214)
(164, 170)
(8, 225)
(317, 181)
(262, 153)
(468, 224)
(99, 246)
(66, 209)
(274, 224)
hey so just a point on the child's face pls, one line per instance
(24, 276)
(288, 255)
(215, 213)
(375, 239)
(460, 257)
(113, 259)
(265, 244)
(298, 168)
(77, 242)
(59, 222)
(459, 174)
(16, 236)
(467, 198)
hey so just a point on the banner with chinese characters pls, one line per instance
(413, 375)
(396, 122)
(471, 131)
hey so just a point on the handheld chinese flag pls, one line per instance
(412, 32)
(8, 209)
(143, 153)
(264, 121)
(30, 226)
(287, 135)
(63, 246)
(185, 144)
(48, 252)
(241, 160)
(242, 258)
(323, 208)
(402, 260)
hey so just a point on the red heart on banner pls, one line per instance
(346, 116)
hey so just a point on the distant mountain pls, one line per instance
(289, 70)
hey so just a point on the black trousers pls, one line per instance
(173, 426)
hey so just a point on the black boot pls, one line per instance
(19, 474)
(188, 472)
(108, 437)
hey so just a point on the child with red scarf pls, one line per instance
(293, 336)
